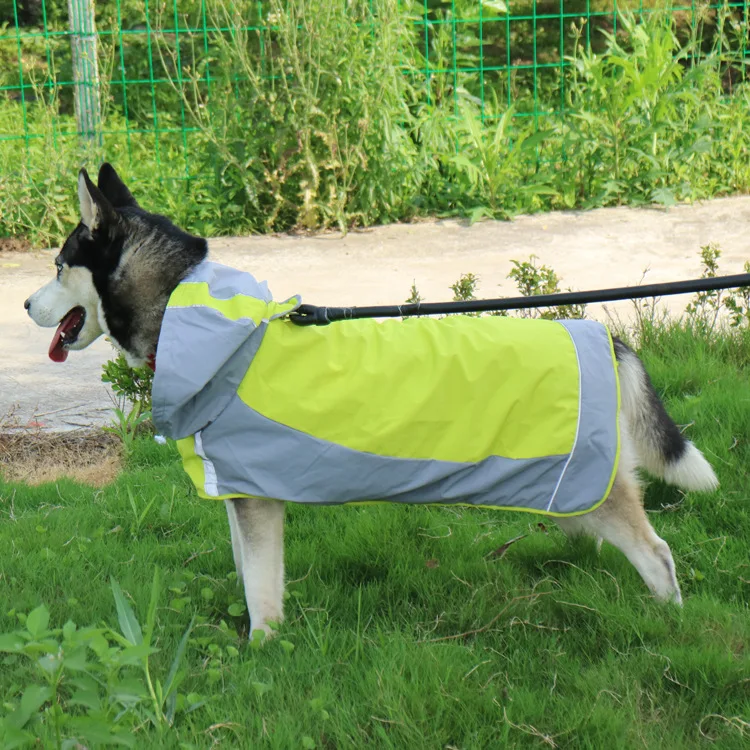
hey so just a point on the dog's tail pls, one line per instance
(662, 449)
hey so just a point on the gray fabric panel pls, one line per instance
(588, 474)
(253, 455)
(201, 359)
(225, 282)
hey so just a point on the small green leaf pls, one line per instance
(95, 731)
(237, 609)
(207, 593)
(261, 688)
(664, 196)
(257, 637)
(128, 692)
(174, 677)
(308, 742)
(37, 621)
(125, 615)
(288, 646)
(10, 643)
(214, 675)
(133, 654)
(151, 615)
(15, 738)
(75, 660)
(86, 698)
(31, 701)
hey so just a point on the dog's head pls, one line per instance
(114, 273)
(71, 301)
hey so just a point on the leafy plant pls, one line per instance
(533, 280)
(495, 160)
(342, 115)
(127, 426)
(133, 384)
(95, 684)
(704, 311)
(163, 695)
(464, 289)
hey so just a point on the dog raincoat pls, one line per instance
(492, 411)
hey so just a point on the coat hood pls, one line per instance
(213, 326)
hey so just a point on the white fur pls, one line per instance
(692, 472)
(90, 213)
(257, 528)
(74, 287)
(622, 522)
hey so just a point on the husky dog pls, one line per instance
(116, 275)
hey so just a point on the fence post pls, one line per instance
(85, 67)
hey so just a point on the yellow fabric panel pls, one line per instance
(192, 463)
(457, 389)
(191, 294)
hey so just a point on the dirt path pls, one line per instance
(605, 247)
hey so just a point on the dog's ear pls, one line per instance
(113, 188)
(96, 210)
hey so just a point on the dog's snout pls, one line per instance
(27, 304)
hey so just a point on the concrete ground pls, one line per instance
(588, 250)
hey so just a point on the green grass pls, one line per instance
(572, 652)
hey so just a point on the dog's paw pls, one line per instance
(261, 635)
(263, 632)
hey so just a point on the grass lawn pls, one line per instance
(402, 629)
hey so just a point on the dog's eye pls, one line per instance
(59, 268)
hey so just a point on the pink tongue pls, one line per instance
(68, 323)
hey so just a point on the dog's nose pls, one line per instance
(27, 304)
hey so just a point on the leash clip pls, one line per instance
(310, 315)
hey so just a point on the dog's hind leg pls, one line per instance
(260, 533)
(622, 521)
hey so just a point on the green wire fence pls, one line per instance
(138, 81)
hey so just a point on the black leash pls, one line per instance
(310, 315)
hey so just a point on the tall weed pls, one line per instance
(643, 119)
(314, 114)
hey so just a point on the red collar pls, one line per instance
(151, 361)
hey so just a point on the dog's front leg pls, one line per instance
(259, 531)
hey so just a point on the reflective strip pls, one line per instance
(198, 294)
(578, 425)
(596, 455)
(209, 472)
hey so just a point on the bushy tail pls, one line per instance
(662, 449)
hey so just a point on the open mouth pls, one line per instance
(67, 334)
